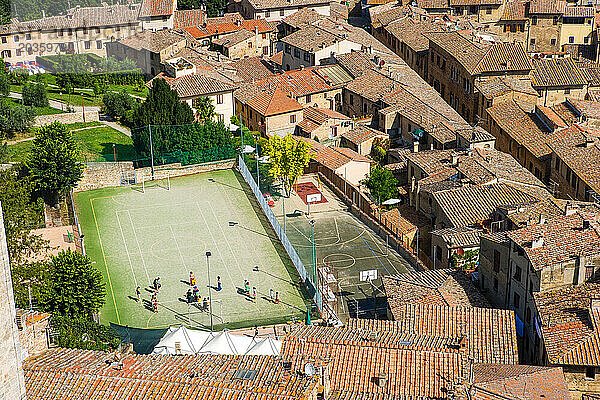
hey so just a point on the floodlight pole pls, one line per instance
(283, 198)
(257, 169)
(209, 287)
(151, 152)
(314, 250)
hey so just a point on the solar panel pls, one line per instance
(247, 374)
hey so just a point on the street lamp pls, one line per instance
(114, 153)
(209, 287)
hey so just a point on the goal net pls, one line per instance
(162, 180)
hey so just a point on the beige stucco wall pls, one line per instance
(355, 171)
(578, 31)
(280, 124)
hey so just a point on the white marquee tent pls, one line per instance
(189, 341)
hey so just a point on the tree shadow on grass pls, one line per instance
(125, 152)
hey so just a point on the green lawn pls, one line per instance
(95, 144)
(55, 94)
(38, 110)
(129, 89)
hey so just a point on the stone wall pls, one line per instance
(98, 175)
(12, 381)
(67, 118)
(178, 170)
(32, 331)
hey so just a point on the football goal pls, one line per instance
(162, 179)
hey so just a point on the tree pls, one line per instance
(287, 158)
(75, 286)
(84, 333)
(22, 213)
(53, 163)
(34, 94)
(382, 184)
(15, 119)
(117, 104)
(4, 83)
(163, 107)
(205, 108)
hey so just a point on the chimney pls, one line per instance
(454, 159)
(431, 146)
(381, 379)
(586, 224)
(536, 243)
(542, 219)
(569, 209)
(43, 14)
(416, 146)
(256, 31)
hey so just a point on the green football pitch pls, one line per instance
(136, 235)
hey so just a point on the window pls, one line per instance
(87, 44)
(85, 30)
(555, 20)
(266, 50)
(28, 36)
(586, 39)
(590, 373)
(293, 119)
(306, 56)
(98, 44)
(589, 272)
(571, 39)
(16, 38)
(165, 18)
(557, 164)
(567, 91)
(281, 13)
(534, 20)
(296, 52)
(488, 11)
(5, 53)
(97, 30)
(438, 253)
(263, 36)
(568, 174)
(220, 118)
(249, 45)
(288, 49)
(308, 98)
(532, 41)
(365, 108)
(553, 42)
(516, 300)
(496, 261)
(219, 99)
(351, 99)
(517, 275)
(496, 285)
(3, 39)
(70, 32)
(267, 14)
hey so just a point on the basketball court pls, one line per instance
(134, 234)
(344, 248)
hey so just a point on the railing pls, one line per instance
(287, 245)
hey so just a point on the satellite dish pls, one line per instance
(309, 369)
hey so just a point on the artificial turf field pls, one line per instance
(134, 237)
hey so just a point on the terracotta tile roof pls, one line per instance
(525, 382)
(227, 17)
(470, 205)
(152, 41)
(332, 157)
(72, 373)
(586, 108)
(156, 8)
(77, 18)
(459, 237)
(361, 133)
(514, 11)
(455, 3)
(579, 11)
(438, 287)
(357, 368)
(579, 148)
(197, 84)
(521, 126)
(559, 239)
(311, 38)
(315, 117)
(273, 103)
(490, 334)
(301, 17)
(479, 59)
(252, 68)
(408, 31)
(334, 75)
(499, 85)
(267, 4)
(234, 38)
(183, 18)
(355, 62)
(433, 4)
(229, 27)
(546, 7)
(570, 324)
(392, 14)
(556, 72)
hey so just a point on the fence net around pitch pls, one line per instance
(287, 245)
